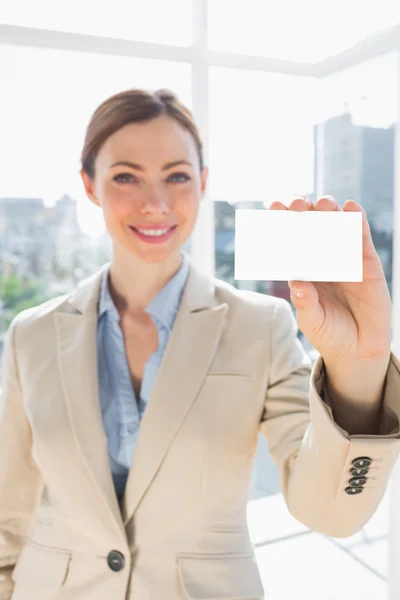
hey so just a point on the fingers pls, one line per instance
(327, 203)
(277, 206)
(300, 203)
(369, 250)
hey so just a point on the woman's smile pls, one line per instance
(153, 234)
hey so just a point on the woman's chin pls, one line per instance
(155, 254)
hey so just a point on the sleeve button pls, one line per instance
(362, 462)
(357, 481)
(353, 490)
(359, 472)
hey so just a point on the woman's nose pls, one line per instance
(155, 201)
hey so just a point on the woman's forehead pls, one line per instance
(152, 141)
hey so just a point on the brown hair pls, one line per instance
(133, 106)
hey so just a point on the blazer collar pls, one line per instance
(199, 293)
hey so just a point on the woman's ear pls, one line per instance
(203, 182)
(88, 184)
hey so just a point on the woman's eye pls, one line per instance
(124, 178)
(179, 177)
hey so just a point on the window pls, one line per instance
(360, 106)
(50, 234)
(46, 101)
(306, 31)
(149, 21)
(261, 135)
(261, 150)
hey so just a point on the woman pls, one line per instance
(90, 509)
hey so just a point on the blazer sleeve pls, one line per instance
(20, 480)
(313, 454)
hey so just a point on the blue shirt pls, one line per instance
(122, 412)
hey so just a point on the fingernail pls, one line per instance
(298, 293)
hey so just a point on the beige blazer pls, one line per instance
(233, 367)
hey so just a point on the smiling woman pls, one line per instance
(142, 163)
(132, 405)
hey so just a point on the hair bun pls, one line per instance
(166, 95)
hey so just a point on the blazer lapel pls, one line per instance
(76, 330)
(190, 350)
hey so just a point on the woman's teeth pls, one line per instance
(153, 232)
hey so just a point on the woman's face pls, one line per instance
(149, 185)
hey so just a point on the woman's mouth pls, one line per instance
(153, 235)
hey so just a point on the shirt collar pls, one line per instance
(164, 305)
(106, 303)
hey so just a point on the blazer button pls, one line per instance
(359, 472)
(353, 490)
(362, 462)
(115, 560)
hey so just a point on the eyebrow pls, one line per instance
(167, 166)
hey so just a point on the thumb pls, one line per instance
(310, 314)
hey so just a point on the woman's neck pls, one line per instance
(133, 284)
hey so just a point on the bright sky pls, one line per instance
(261, 144)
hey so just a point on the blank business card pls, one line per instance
(288, 245)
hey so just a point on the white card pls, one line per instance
(288, 245)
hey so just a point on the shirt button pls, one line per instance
(115, 560)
